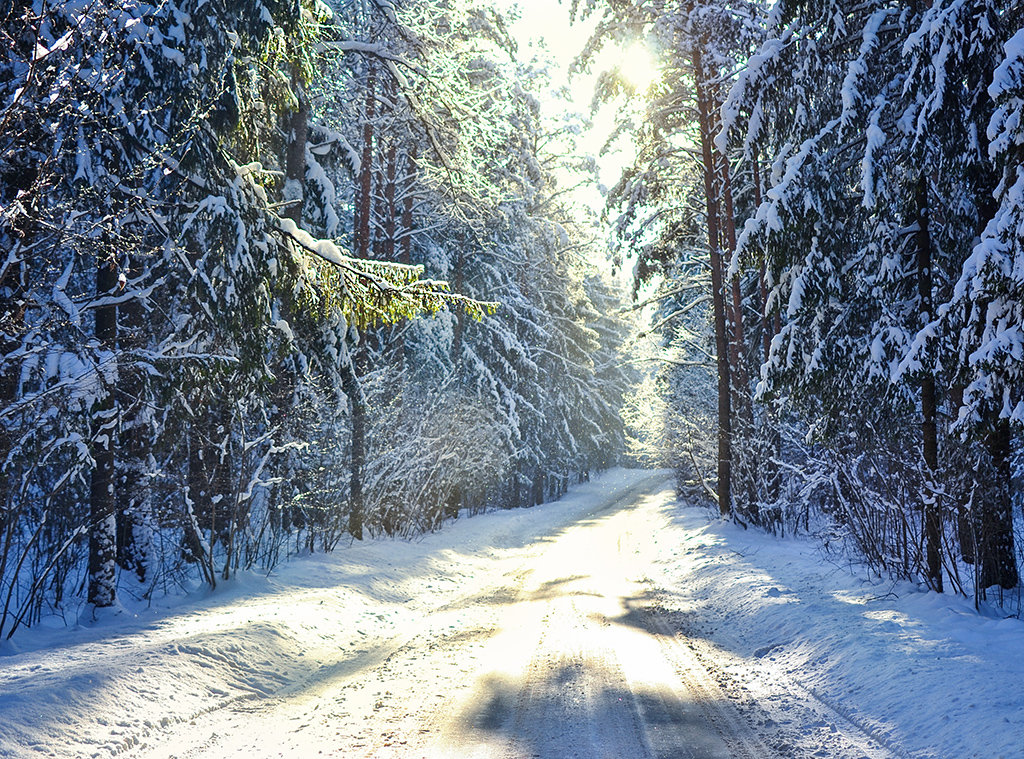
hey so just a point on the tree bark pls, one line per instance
(133, 519)
(742, 408)
(12, 321)
(460, 316)
(390, 171)
(364, 203)
(738, 371)
(997, 561)
(704, 110)
(295, 152)
(408, 199)
(770, 326)
(929, 431)
(198, 512)
(965, 488)
(357, 403)
(22, 181)
(102, 502)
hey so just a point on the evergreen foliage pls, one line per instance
(863, 180)
(227, 233)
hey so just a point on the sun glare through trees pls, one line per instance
(637, 66)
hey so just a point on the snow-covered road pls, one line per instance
(614, 623)
(551, 650)
(573, 661)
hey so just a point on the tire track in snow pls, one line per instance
(789, 714)
(558, 648)
(212, 730)
(583, 669)
(742, 741)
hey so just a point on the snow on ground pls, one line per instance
(922, 672)
(112, 685)
(786, 634)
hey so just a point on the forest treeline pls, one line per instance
(829, 196)
(275, 275)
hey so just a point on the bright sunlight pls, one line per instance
(638, 67)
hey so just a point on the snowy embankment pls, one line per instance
(919, 672)
(922, 673)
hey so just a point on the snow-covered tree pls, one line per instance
(682, 187)
(873, 117)
(154, 281)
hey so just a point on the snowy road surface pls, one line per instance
(554, 654)
(615, 623)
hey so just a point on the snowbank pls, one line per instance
(923, 673)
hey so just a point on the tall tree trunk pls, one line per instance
(742, 407)
(363, 209)
(408, 200)
(390, 211)
(295, 124)
(770, 327)
(12, 320)
(20, 181)
(349, 376)
(537, 492)
(390, 171)
(460, 316)
(393, 349)
(704, 110)
(225, 485)
(102, 503)
(929, 431)
(738, 370)
(364, 202)
(404, 234)
(198, 513)
(997, 561)
(295, 152)
(134, 522)
(357, 403)
(964, 488)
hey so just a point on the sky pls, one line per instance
(544, 28)
(546, 23)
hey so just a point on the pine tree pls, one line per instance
(699, 45)
(878, 186)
